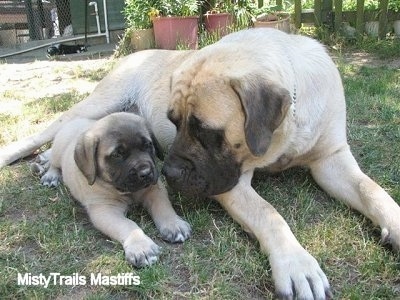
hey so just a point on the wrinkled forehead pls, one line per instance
(129, 132)
(123, 123)
(206, 98)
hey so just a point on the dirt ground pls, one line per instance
(39, 79)
(362, 58)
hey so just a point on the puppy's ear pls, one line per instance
(156, 144)
(265, 107)
(85, 156)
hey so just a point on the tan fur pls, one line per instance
(105, 205)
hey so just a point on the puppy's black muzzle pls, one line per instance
(145, 174)
(139, 177)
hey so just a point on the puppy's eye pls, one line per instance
(118, 153)
(147, 144)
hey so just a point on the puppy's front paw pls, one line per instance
(43, 158)
(41, 163)
(37, 169)
(297, 275)
(52, 178)
(140, 250)
(176, 231)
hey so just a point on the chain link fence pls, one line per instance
(31, 23)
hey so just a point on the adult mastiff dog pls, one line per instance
(256, 99)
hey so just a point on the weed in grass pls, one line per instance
(207, 38)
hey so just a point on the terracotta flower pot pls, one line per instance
(170, 32)
(220, 23)
(142, 39)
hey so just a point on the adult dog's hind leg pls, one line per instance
(340, 176)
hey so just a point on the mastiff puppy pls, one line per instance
(257, 99)
(106, 165)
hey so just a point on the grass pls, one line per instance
(388, 48)
(45, 230)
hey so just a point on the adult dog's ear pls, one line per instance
(85, 156)
(265, 106)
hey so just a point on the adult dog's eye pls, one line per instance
(174, 119)
(208, 138)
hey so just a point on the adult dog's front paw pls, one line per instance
(140, 250)
(297, 275)
(175, 231)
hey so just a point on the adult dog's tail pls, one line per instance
(28, 145)
(88, 109)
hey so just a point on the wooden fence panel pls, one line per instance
(330, 13)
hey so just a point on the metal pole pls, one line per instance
(86, 21)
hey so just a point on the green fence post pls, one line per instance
(326, 13)
(338, 14)
(360, 17)
(297, 13)
(383, 20)
(317, 12)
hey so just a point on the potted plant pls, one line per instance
(244, 12)
(176, 23)
(219, 18)
(273, 16)
(137, 18)
(394, 5)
